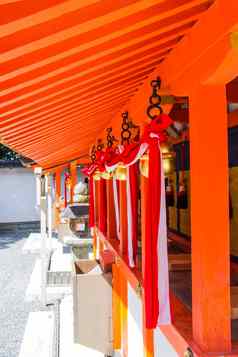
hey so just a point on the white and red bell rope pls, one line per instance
(156, 281)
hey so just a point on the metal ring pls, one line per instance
(126, 134)
(150, 108)
(153, 97)
(155, 83)
(125, 126)
(188, 353)
(124, 115)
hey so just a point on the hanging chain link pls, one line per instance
(95, 148)
(129, 131)
(93, 153)
(100, 145)
(155, 100)
(188, 353)
(110, 138)
(125, 129)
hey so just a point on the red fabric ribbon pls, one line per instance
(116, 193)
(151, 239)
(89, 170)
(91, 203)
(102, 224)
(156, 128)
(129, 153)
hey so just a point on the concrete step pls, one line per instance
(33, 292)
(38, 340)
(33, 244)
(60, 261)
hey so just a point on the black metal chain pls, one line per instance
(95, 148)
(93, 153)
(155, 100)
(100, 145)
(188, 352)
(110, 138)
(125, 129)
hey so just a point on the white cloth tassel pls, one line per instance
(163, 271)
(129, 221)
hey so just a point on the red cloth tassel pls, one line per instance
(91, 203)
(151, 239)
(118, 197)
(102, 224)
(133, 179)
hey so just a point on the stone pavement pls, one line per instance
(15, 271)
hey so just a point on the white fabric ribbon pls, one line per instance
(129, 221)
(163, 271)
(141, 151)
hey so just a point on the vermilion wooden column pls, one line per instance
(116, 307)
(96, 201)
(123, 217)
(96, 212)
(124, 312)
(111, 217)
(74, 178)
(210, 219)
(57, 196)
(147, 334)
(121, 176)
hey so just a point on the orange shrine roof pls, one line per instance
(68, 67)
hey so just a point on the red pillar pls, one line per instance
(57, 196)
(96, 211)
(124, 313)
(74, 178)
(96, 195)
(111, 217)
(210, 219)
(116, 309)
(121, 176)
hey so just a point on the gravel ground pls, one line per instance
(15, 271)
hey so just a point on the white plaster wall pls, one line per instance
(135, 324)
(162, 347)
(17, 195)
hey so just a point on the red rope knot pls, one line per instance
(156, 129)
